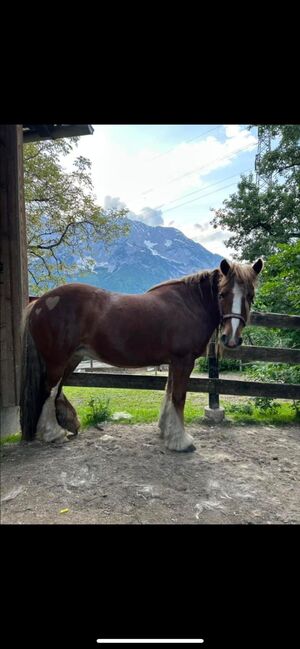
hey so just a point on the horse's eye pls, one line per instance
(221, 295)
(250, 297)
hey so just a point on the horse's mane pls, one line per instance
(244, 274)
(194, 278)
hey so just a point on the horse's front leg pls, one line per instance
(176, 439)
(165, 404)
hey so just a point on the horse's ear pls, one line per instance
(225, 266)
(258, 266)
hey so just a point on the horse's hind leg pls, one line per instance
(48, 428)
(176, 439)
(65, 412)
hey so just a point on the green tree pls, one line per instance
(63, 218)
(280, 288)
(259, 221)
(278, 292)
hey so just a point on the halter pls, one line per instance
(230, 315)
(233, 315)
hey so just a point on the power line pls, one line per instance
(197, 199)
(228, 154)
(209, 163)
(187, 141)
(196, 191)
(202, 167)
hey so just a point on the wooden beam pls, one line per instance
(275, 320)
(248, 353)
(213, 386)
(56, 132)
(13, 275)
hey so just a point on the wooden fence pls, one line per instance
(213, 384)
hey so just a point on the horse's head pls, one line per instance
(236, 292)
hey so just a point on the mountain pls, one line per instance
(146, 256)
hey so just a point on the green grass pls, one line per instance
(144, 406)
(247, 412)
(94, 405)
(10, 439)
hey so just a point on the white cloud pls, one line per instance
(146, 215)
(146, 183)
(232, 130)
(140, 176)
(150, 216)
(113, 203)
(209, 237)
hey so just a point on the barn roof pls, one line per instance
(35, 132)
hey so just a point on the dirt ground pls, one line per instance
(124, 474)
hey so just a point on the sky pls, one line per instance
(170, 175)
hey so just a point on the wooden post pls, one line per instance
(213, 370)
(13, 271)
(213, 411)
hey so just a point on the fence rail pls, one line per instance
(277, 320)
(214, 385)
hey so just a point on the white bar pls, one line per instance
(148, 641)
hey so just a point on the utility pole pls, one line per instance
(263, 180)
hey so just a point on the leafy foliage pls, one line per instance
(225, 364)
(279, 372)
(280, 287)
(261, 220)
(62, 214)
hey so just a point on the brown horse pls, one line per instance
(171, 323)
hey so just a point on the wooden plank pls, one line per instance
(7, 374)
(213, 386)
(14, 282)
(248, 353)
(275, 320)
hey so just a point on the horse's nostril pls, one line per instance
(224, 339)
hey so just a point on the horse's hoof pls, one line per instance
(189, 449)
(69, 434)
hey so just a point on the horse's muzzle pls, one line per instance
(230, 344)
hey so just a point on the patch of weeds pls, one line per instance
(266, 405)
(240, 408)
(95, 412)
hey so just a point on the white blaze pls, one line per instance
(236, 308)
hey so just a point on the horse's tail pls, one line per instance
(33, 386)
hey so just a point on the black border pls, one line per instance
(68, 585)
(181, 88)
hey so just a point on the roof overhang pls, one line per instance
(36, 132)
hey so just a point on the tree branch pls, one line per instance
(54, 245)
(44, 262)
(33, 277)
(293, 164)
